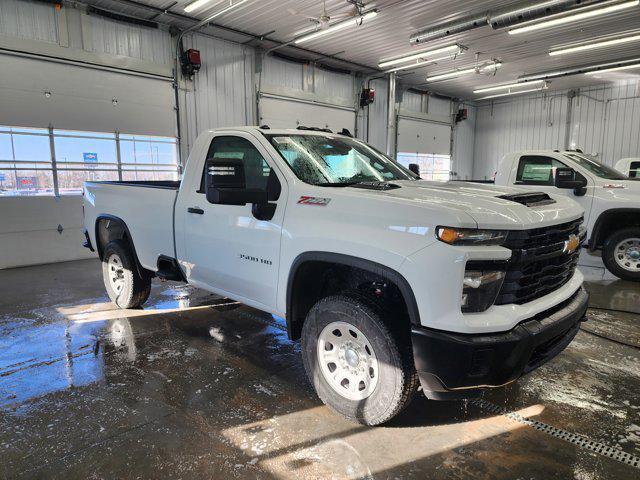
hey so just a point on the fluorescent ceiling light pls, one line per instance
(420, 55)
(497, 95)
(493, 88)
(339, 26)
(614, 69)
(199, 3)
(453, 74)
(422, 63)
(591, 46)
(465, 71)
(587, 12)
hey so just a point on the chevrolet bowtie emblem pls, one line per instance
(572, 244)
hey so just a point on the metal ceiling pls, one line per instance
(388, 36)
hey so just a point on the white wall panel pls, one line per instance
(221, 94)
(415, 136)
(29, 230)
(606, 121)
(81, 98)
(439, 106)
(280, 113)
(524, 123)
(118, 38)
(332, 84)
(463, 144)
(376, 123)
(282, 74)
(25, 19)
(412, 101)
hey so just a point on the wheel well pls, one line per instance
(314, 279)
(610, 221)
(110, 228)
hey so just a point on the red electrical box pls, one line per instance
(190, 62)
(367, 96)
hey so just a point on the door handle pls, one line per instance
(196, 210)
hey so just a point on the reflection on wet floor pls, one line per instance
(199, 386)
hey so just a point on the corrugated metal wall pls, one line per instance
(605, 121)
(376, 122)
(221, 94)
(524, 123)
(463, 142)
(117, 38)
(33, 20)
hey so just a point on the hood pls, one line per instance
(483, 203)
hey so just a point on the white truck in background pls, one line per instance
(629, 167)
(611, 200)
(390, 282)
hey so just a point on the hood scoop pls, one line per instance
(533, 199)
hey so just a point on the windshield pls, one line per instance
(596, 168)
(333, 161)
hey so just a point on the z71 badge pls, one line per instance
(322, 202)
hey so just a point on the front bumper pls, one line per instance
(455, 365)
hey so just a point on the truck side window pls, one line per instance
(634, 170)
(256, 168)
(537, 170)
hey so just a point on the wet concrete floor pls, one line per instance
(195, 386)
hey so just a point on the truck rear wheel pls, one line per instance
(125, 286)
(621, 254)
(359, 366)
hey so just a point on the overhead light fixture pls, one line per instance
(594, 45)
(508, 86)
(581, 14)
(614, 69)
(453, 49)
(356, 21)
(586, 69)
(200, 3)
(423, 63)
(485, 68)
(506, 94)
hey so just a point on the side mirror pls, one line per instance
(415, 168)
(567, 178)
(225, 184)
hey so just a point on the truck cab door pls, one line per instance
(234, 250)
(536, 173)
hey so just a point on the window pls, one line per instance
(598, 169)
(634, 170)
(537, 170)
(432, 166)
(335, 161)
(256, 168)
(26, 166)
(25, 162)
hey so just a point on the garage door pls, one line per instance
(281, 112)
(426, 143)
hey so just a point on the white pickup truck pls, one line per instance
(390, 282)
(611, 200)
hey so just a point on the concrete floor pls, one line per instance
(195, 386)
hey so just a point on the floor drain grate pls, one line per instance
(576, 439)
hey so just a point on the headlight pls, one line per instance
(470, 236)
(481, 286)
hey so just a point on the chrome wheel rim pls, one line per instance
(347, 361)
(115, 273)
(627, 254)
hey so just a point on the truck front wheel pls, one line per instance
(359, 366)
(126, 287)
(621, 254)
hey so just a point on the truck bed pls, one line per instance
(146, 208)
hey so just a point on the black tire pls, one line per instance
(609, 253)
(133, 289)
(397, 379)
